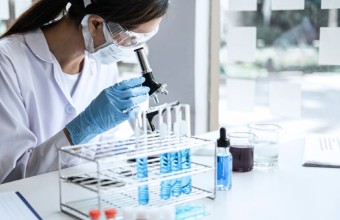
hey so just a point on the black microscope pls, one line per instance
(155, 88)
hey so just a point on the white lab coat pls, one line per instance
(35, 104)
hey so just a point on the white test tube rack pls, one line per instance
(108, 161)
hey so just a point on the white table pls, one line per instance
(289, 192)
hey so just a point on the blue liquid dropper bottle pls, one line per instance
(224, 162)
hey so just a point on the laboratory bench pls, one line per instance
(289, 191)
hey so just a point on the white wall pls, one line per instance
(179, 57)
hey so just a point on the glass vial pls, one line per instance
(165, 168)
(190, 211)
(176, 165)
(110, 214)
(94, 214)
(186, 165)
(224, 162)
(242, 149)
(142, 174)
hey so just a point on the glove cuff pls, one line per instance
(82, 130)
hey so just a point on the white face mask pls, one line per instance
(106, 53)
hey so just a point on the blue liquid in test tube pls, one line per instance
(176, 166)
(186, 165)
(165, 168)
(142, 174)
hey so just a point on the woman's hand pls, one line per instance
(110, 108)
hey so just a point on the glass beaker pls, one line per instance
(266, 144)
(242, 150)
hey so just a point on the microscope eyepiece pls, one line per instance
(155, 88)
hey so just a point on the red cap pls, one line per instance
(94, 214)
(110, 213)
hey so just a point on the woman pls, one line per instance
(58, 77)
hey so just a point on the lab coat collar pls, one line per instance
(37, 43)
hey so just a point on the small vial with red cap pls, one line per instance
(94, 214)
(110, 214)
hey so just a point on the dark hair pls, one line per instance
(129, 13)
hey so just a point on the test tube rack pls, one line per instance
(106, 177)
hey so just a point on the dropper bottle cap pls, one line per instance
(223, 141)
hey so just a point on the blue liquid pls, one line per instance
(165, 168)
(142, 174)
(224, 171)
(176, 165)
(190, 211)
(186, 165)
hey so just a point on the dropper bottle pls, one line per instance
(224, 162)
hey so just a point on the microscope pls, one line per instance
(155, 88)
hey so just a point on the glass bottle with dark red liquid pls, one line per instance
(243, 157)
(242, 150)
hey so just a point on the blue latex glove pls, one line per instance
(110, 108)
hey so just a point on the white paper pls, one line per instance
(285, 99)
(12, 207)
(329, 46)
(322, 150)
(240, 95)
(241, 44)
(21, 6)
(4, 9)
(330, 4)
(288, 4)
(242, 5)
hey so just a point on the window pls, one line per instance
(280, 64)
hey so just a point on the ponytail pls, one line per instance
(39, 14)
